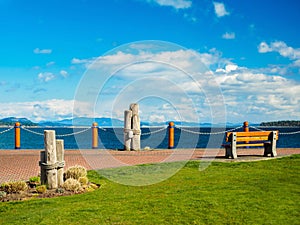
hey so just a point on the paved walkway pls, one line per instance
(23, 164)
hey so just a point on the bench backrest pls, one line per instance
(251, 136)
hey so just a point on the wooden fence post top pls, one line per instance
(171, 124)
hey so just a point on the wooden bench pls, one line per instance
(253, 138)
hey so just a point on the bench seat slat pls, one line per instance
(250, 144)
(261, 138)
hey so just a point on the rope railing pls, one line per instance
(74, 133)
(154, 132)
(57, 135)
(151, 131)
(31, 131)
(4, 131)
(280, 133)
(208, 133)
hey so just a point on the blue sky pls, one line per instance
(251, 48)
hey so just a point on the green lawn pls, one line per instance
(265, 192)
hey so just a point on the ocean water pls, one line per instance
(112, 138)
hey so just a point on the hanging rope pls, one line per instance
(154, 132)
(58, 135)
(4, 131)
(208, 133)
(290, 133)
(255, 128)
(33, 132)
(280, 133)
(74, 133)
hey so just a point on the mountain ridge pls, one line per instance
(106, 122)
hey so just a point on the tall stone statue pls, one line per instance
(132, 131)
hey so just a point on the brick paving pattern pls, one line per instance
(23, 164)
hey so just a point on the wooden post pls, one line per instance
(50, 152)
(17, 135)
(246, 129)
(128, 134)
(52, 161)
(171, 135)
(60, 151)
(136, 139)
(43, 170)
(95, 135)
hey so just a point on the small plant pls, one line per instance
(89, 189)
(60, 190)
(72, 185)
(41, 189)
(75, 172)
(35, 180)
(3, 194)
(94, 186)
(83, 181)
(14, 186)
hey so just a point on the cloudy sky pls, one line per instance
(207, 61)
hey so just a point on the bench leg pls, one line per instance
(270, 149)
(227, 152)
(233, 150)
(230, 152)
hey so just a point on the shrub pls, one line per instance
(89, 189)
(3, 194)
(72, 185)
(41, 189)
(14, 186)
(94, 186)
(60, 190)
(35, 180)
(75, 172)
(83, 180)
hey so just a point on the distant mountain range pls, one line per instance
(103, 122)
(12, 120)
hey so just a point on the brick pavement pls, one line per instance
(23, 164)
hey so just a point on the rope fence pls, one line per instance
(152, 130)
(280, 133)
(208, 133)
(4, 131)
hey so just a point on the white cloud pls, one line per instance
(249, 94)
(228, 68)
(220, 9)
(177, 4)
(50, 63)
(46, 77)
(259, 96)
(157, 118)
(54, 109)
(228, 35)
(281, 47)
(264, 47)
(42, 51)
(64, 73)
(190, 17)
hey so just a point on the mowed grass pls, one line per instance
(265, 192)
